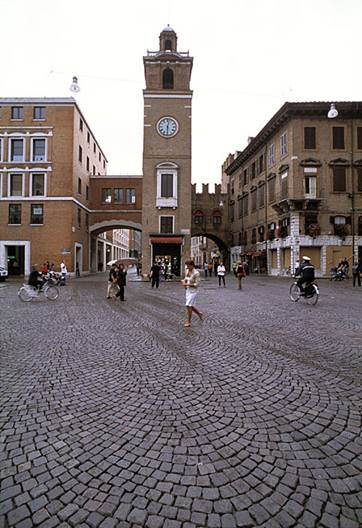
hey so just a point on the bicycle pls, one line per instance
(27, 292)
(310, 293)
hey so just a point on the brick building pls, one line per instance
(47, 155)
(166, 210)
(296, 189)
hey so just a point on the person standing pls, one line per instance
(77, 272)
(206, 269)
(356, 273)
(155, 275)
(121, 281)
(112, 281)
(63, 273)
(240, 273)
(191, 283)
(221, 273)
(209, 266)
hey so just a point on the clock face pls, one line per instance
(167, 127)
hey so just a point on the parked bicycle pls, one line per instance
(27, 293)
(310, 293)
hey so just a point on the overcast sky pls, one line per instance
(249, 58)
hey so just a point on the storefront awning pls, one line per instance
(166, 240)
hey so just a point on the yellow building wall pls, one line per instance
(286, 258)
(314, 253)
(273, 254)
(337, 253)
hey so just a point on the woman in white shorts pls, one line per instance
(191, 283)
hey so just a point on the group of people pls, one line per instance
(117, 282)
(37, 278)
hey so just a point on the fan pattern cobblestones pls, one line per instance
(115, 415)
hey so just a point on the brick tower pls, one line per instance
(166, 208)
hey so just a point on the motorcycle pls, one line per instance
(338, 274)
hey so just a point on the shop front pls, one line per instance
(166, 251)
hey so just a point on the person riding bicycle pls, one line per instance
(35, 278)
(306, 273)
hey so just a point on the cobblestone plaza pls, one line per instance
(115, 415)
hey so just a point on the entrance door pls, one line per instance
(170, 255)
(16, 260)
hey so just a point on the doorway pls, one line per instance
(16, 260)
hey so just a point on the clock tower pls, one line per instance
(166, 204)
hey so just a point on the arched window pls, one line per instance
(167, 79)
(198, 218)
(216, 218)
(168, 44)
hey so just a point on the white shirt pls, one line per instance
(63, 268)
(221, 270)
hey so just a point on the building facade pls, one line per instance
(166, 209)
(296, 190)
(47, 155)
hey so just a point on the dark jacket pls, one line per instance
(306, 271)
(155, 271)
(121, 277)
(34, 278)
(112, 274)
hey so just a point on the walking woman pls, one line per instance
(240, 273)
(191, 283)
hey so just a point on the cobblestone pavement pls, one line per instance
(115, 415)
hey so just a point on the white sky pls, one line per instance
(250, 56)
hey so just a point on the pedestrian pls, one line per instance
(215, 267)
(121, 281)
(112, 282)
(221, 273)
(77, 272)
(246, 267)
(356, 273)
(191, 283)
(209, 266)
(206, 269)
(63, 273)
(239, 273)
(155, 275)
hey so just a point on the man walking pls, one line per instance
(155, 275)
(356, 273)
(121, 281)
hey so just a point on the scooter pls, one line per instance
(338, 274)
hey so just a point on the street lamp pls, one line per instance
(333, 113)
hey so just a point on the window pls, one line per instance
(309, 138)
(88, 137)
(271, 155)
(359, 179)
(198, 218)
(167, 79)
(87, 221)
(271, 189)
(104, 164)
(216, 219)
(253, 200)
(253, 235)
(99, 156)
(118, 195)
(81, 125)
(15, 214)
(130, 196)
(261, 164)
(39, 150)
(261, 196)
(359, 138)
(283, 144)
(16, 150)
(359, 232)
(86, 192)
(107, 195)
(79, 217)
(36, 214)
(339, 179)
(166, 224)
(94, 147)
(80, 154)
(39, 112)
(37, 184)
(245, 200)
(1, 149)
(245, 173)
(79, 186)
(17, 112)
(16, 185)
(94, 171)
(284, 184)
(168, 45)
(338, 137)
(87, 164)
(310, 183)
(253, 170)
(166, 185)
